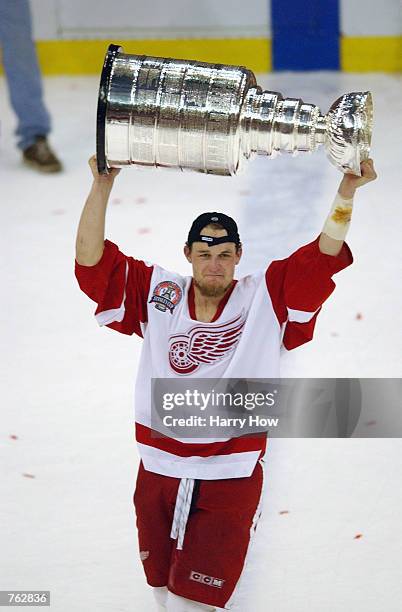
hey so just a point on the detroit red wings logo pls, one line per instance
(204, 345)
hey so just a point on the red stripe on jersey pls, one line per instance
(106, 283)
(150, 437)
(297, 334)
(303, 281)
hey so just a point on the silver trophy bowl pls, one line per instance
(211, 118)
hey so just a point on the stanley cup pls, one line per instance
(211, 118)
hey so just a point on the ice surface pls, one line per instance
(67, 385)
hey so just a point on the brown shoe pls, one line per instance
(41, 157)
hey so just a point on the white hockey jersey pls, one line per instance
(258, 313)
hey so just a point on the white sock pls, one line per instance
(175, 603)
(160, 594)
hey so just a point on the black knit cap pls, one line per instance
(200, 222)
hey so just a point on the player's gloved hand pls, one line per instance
(102, 178)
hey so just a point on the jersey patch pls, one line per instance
(204, 345)
(166, 296)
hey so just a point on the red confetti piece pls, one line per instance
(14, 437)
(58, 211)
(140, 200)
(370, 423)
(116, 201)
(144, 230)
(357, 536)
(359, 316)
(284, 512)
(29, 475)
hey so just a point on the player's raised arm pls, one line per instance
(338, 221)
(91, 229)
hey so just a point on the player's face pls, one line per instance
(213, 267)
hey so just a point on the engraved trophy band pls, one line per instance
(211, 118)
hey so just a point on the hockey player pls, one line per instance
(198, 504)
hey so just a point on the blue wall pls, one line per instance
(305, 34)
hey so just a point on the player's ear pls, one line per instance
(187, 253)
(239, 253)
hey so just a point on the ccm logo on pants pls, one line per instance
(209, 580)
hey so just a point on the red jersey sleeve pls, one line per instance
(299, 285)
(120, 286)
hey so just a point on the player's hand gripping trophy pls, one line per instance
(211, 118)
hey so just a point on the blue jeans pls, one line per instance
(22, 71)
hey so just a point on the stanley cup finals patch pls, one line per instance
(166, 296)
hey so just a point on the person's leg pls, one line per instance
(154, 499)
(160, 594)
(175, 603)
(217, 540)
(22, 71)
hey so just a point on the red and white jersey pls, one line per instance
(260, 313)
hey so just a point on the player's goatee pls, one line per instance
(207, 291)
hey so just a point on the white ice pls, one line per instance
(67, 385)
